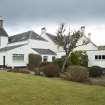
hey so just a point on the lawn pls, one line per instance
(22, 89)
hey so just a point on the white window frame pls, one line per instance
(99, 57)
(18, 57)
(45, 57)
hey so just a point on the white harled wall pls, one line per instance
(3, 41)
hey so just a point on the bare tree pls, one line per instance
(68, 42)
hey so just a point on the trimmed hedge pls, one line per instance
(95, 71)
(34, 61)
(77, 73)
(50, 70)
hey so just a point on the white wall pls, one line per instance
(9, 56)
(3, 41)
(89, 46)
(92, 61)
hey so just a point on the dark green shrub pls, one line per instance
(95, 71)
(34, 61)
(59, 62)
(78, 58)
(77, 73)
(19, 71)
(50, 70)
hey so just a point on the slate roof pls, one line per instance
(3, 32)
(25, 36)
(44, 51)
(101, 47)
(52, 37)
(10, 47)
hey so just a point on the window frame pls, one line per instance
(18, 57)
(45, 58)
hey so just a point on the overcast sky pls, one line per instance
(23, 15)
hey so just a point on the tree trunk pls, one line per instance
(64, 64)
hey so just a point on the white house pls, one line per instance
(14, 50)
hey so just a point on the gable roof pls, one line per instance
(25, 36)
(90, 41)
(52, 37)
(44, 51)
(101, 47)
(3, 32)
(10, 47)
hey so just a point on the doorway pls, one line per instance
(3, 61)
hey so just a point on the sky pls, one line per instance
(24, 15)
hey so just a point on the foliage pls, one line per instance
(69, 42)
(34, 60)
(79, 58)
(19, 71)
(44, 64)
(95, 71)
(77, 73)
(50, 70)
(59, 62)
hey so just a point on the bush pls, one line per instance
(78, 58)
(19, 71)
(95, 71)
(59, 62)
(44, 64)
(50, 70)
(76, 73)
(34, 61)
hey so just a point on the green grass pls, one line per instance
(21, 89)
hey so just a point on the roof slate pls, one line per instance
(10, 47)
(44, 51)
(25, 36)
(3, 32)
(101, 47)
(52, 37)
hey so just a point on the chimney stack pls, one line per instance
(43, 30)
(89, 36)
(83, 30)
(1, 22)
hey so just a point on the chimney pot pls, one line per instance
(89, 36)
(43, 30)
(1, 21)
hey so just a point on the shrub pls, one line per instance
(95, 71)
(36, 71)
(19, 71)
(59, 62)
(34, 60)
(76, 73)
(50, 70)
(44, 64)
(78, 58)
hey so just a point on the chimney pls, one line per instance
(83, 30)
(89, 36)
(43, 30)
(1, 22)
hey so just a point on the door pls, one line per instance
(3, 61)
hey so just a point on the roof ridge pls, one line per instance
(90, 40)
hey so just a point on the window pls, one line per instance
(96, 56)
(99, 57)
(103, 56)
(45, 58)
(53, 58)
(18, 57)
